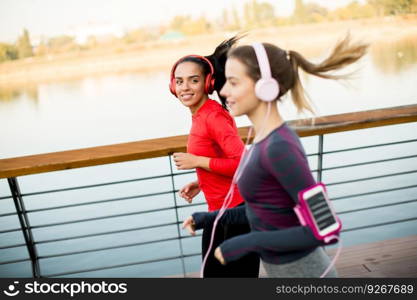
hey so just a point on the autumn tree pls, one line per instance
(24, 47)
(7, 52)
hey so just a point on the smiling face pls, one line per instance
(189, 85)
(239, 89)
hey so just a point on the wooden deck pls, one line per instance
(390, 259)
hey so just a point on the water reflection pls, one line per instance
(394, 57)
(12, 93)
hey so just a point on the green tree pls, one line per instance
(230, 19)
(60, 41)
(178, 22)
(24, 47)
(257, 14)
(7, 52)
(137, 36)
(399, 6)
(300, 13)
(264, 13)
(393, 7)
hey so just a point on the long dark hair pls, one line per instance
(218, 60)
(285, 66)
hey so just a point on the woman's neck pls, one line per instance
(264, 126)
(199, 104)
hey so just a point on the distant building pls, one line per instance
(172, 36)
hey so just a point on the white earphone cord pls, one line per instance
(228, 199)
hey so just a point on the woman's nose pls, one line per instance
(185, 85)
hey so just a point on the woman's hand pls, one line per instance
(189, 225)
(189, 191)
(187, 161)
(218, 254)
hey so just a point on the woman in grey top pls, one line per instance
(276, 167)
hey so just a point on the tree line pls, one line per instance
(255, 14)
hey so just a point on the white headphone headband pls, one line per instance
(266, 88)
(262, 58)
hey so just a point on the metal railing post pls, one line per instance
(25, 225)
(320, 158)
(176, 215)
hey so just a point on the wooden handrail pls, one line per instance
(41, 163)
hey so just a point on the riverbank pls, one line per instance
(310, 39)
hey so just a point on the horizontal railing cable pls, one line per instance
(10, 230)
(12, 246)
(123, 265)
(371, 178)
(96, 218)
(107, 201)
(376, 206)
(369, 162)
(14, 261)
(105, 233)
(100, 201)
(8, 214)
(373, 192)
(379, 224)
(103, 184)
(370, 146)
(113, 247)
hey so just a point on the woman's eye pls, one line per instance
(195, 81)
(178, 82)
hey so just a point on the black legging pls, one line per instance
(247, 266)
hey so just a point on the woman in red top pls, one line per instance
(214, 149)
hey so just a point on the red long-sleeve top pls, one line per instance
(214, 134)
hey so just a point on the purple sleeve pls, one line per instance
(287, 162)
(264, 242)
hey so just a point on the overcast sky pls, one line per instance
(55, 17)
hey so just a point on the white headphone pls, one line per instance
(266, 88)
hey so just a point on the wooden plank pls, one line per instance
(33, 164)
(401, 267)
(377, 252)
(375, 258)
(352, 271)
(71, 159)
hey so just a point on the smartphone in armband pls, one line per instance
(316, 211)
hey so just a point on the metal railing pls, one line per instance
(14, 167)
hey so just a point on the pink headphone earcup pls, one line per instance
(172, 87)
(267, 89)
(209, 84)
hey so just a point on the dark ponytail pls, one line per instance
(218, 60)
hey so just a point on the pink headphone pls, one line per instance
(209, 82)
(266, 88)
